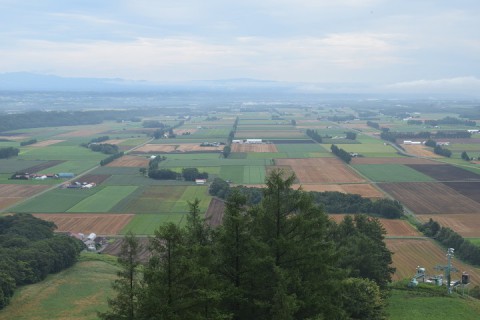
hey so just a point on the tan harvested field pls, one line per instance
(185, 147)
(248, 147)
(46, 143)
(115, 141)
(129, 161)
(188, 147)
(156, 148)
(394, 228)
(321, 170)
(430, 198)
(468, 224)
(277, 134)
(393, 161)
(420, 151)
(83, 132)
(363, 189)
(14, 138)
(410, 253)
(19, 190)
(6, 202)
(101, 224)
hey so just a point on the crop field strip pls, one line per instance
(247, 147)
(410, 253)
(103, 200)
(403, 160)
(321, 170)
(391, 173)
(215, 212)
(129, 161)
(430, 198)
(10, 166)
(101, 224)
(446, 172)
(363, 189)
(146, 224)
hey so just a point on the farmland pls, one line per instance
(125, 199)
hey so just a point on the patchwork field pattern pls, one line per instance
(129, 161)
(468, 189)
(391, 173)
(43, 166)
(260, 134)
(250, 147)
(101, 224)
(394, 228)
(410, 253)
(446, 172)
(468, 225)
(103, 200)
(321, 170)
(430, 198)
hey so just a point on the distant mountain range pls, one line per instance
(455, 88)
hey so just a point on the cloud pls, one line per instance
(447, 85)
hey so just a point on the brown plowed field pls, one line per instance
(101, 224)
(468, 189)
(43, 166)
(410, 253)
(430, 197)
(95, 178)
(363, 189)
(446, 172)
(249, 147)
(115, 247)
(46, 143)
(215, 212)
(129, 161)
(420, 150)
(321, 170)
(393, 161)
(468, 225)
(19, 190)
(394, 228)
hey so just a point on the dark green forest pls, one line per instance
(280, 259)
(29, 251)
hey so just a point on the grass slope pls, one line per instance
(75, 294)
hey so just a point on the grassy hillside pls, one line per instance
(75, 294)
(431, 304)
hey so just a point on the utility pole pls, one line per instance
(448, 268)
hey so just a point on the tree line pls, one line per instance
(28, 142)
(29, 251)
(393, 136)
(314, 135)
(280, 259)
(331, 201)
(8, 152)
(109, 159)
(342, 154)
(464, 249)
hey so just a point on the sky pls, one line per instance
(391, 44)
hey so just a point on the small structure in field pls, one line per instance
(409, 142)
(200, 182)
(253, 141)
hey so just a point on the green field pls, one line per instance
(54, 201)
(155, 199)
(60, 153)
(76, 293)
(416, 305)
(391, 173)
(146, 224)
(14, 164)
(74, 166)
(103, 200)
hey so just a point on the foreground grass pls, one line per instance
(76, 293)
(431, 305)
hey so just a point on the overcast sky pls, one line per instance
(399, 44)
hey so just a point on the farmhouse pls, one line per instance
(253, 141)
(237, 141)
